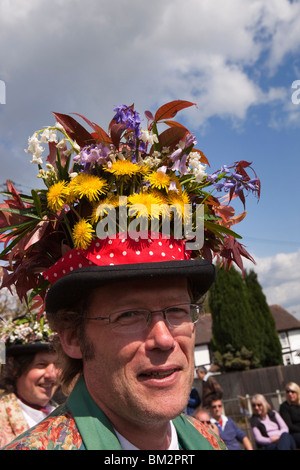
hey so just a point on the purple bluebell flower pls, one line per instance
(92, 154)
(252, 184)
(189, 140)
(129, 117)
(224, 169)
(212, 178)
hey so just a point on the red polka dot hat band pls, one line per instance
(119, 251)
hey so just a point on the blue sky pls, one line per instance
(236, 59)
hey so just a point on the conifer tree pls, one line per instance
(270, 347)
(232, 315)
(242, 321)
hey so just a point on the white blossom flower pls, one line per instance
(61, 144)
(59, 127)
(36, 160)
(76, 147)
(35, 149)
(198, 169)
(49, 135)
(148, 137)
(152, 161)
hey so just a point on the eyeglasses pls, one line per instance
(204, 422)
(290, 391)
(136, 320)
(259, 405)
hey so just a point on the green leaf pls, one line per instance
(16, 226)
(220, 229)
(14, 243)
(37, 203)
(24, 212)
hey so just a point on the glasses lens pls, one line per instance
(131, 320)
(182, 314)
(290, 391)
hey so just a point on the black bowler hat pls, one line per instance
(112, 260)
(25, 335)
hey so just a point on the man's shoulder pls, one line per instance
(207, 433)
(6, 397)
(57, 432)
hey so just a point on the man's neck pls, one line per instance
(171, 441)
(144, 436)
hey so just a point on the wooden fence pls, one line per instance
(239, 387)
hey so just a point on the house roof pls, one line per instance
(284, 320)
(203, 329)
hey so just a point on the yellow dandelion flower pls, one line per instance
(100, 209)
(56, 196)
(159, 180)
(121, 168)
(178, 200)
(82, 234)
(149, 204)
(89, 186)
(175, 197)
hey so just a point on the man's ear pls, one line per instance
(70, 343)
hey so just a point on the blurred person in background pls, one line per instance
(210, 387)
(269, 429)
(232, 435)
(203, 416)
(290, 410)
(28, 380)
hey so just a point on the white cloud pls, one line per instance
(104, 51)
(279, 276)
(73, 56)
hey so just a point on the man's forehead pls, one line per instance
(135, 291)
(45, 356)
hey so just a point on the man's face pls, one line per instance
(39, 382)
(216, 409)
(146, 376)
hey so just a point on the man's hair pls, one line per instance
(202, 369)
(13, 369)
(72, 319)
(295, 387)
(214, 397)
(266, 406)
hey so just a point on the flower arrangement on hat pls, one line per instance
(25, 330)
(141, 168)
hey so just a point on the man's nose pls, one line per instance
(51, 371)
(159, 335)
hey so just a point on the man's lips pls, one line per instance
(158, 373)
(47, 387)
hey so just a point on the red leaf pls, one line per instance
(171, 137)
(75, 130)
(52, 153)
(175, 124)
(15, 194)
(149, 115)
(99, 133)
(37, 233)
(116, 132)
(169, 110)
(102, 135)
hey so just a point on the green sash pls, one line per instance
(97, 432)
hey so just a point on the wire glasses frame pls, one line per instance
(137, 320)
